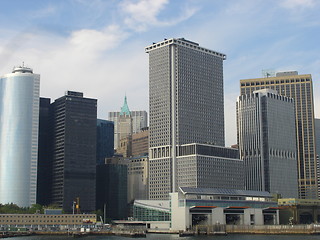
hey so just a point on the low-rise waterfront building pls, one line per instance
(47, 221)
(209, 206)
(299, 211)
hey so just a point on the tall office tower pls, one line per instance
(19, 119)
(298, 87)
(186, 105)
(267, 142)
(317, 133)
(105, 140)
(44, 182)
(74, 151)
(127, 122)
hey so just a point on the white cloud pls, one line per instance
(91, 41)
(85, 61)
(144, 13)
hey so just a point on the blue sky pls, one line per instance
(97, 46)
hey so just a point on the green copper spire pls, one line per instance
(125, 109)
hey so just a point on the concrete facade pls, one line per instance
(198, 165)
(138, 176)
(47, 220)
(186, 104)
(140, 143)
(193, 206)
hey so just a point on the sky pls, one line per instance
(97, 46)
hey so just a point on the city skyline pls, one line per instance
(83, 45)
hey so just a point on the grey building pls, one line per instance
(19, 119)
(198, 166)
(298, 87)
(267, 142)
(74, 151)
(317, 136)
(186, 105)
(317, 133)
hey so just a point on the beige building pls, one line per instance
(26, 220)
(140, 143)
(298, 87)
(125, 147)
(138, 176)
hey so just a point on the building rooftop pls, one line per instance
(222, 191)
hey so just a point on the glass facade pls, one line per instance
(74, 151)
(149, 214)
(105, 140)
(19, 119)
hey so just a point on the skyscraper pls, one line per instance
(186, 105)
(317, 133)
(44, 177)
(127, 122)
(105, 140)
(19, 118)
(267, 142)
(74, 151)
(298, 87)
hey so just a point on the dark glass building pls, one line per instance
(74, 151)
(44, 176)
(105, 140)
(112, 189)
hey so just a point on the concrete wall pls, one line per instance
(179, 218)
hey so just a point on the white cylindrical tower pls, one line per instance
(19, 120)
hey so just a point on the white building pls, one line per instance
(209, 206)
(19, 120)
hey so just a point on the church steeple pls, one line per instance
(125, 109)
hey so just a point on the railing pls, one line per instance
(274, 229)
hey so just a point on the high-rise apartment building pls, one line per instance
(74, 151)
(105, 140)
(298, 87)
(267, 142)
(19, 119)
(127, 122)
(186, 105)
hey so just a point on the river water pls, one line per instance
(176, 236)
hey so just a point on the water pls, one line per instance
(176, 236)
